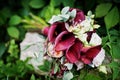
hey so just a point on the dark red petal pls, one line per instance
(77, 46)
(59, 37)
(92, 52)
(73, 53)
(85, 49)
(55, 30)
(89, 53)
(45, 31)
(64, 41)
(51, 33)
(79, 17)
(85, 60)
(89, 35)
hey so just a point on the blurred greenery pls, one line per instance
(19, 16)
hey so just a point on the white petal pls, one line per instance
(79, 65)
(95, 40)
(33, 47)
(69, 66)
(103, 69)
(51, 51)
(97, 61)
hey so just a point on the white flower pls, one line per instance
(95, 40)
(97, 61)
(33, 47)
(86, 25)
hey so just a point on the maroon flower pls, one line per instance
(79, 16)
(87, 54)
(55, 30)
(73, 53)
(64, 40)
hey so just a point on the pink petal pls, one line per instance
(64, 41)
(45, 31)
(73, 53)
(51, 33)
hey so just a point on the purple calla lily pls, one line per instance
(88, 54)
(79, 16)
(73, 53)
(64, 41)
(55, 30)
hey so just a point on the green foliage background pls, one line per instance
(19, 16)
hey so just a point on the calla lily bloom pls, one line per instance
(73, 53)
(79, 16)
(55, 30)
(64, 41)
(88, 54)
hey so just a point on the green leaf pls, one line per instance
(37, 3)
(115, 73)
(67, 75)
(92, 77)
(46, 66)
(112, 18)
(55, 2)
(2, 49)
(115, 67)
(15, 20)
(13, 49)
(13, 32)
(68, 3)
(116, 51)
(56, 68)
(32, 77)
(47, 12)
(102, 9)
(104, 40)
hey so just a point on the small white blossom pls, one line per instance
(83, 38)
(103, 69)
(86, 25)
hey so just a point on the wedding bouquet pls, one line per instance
(70, 43)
